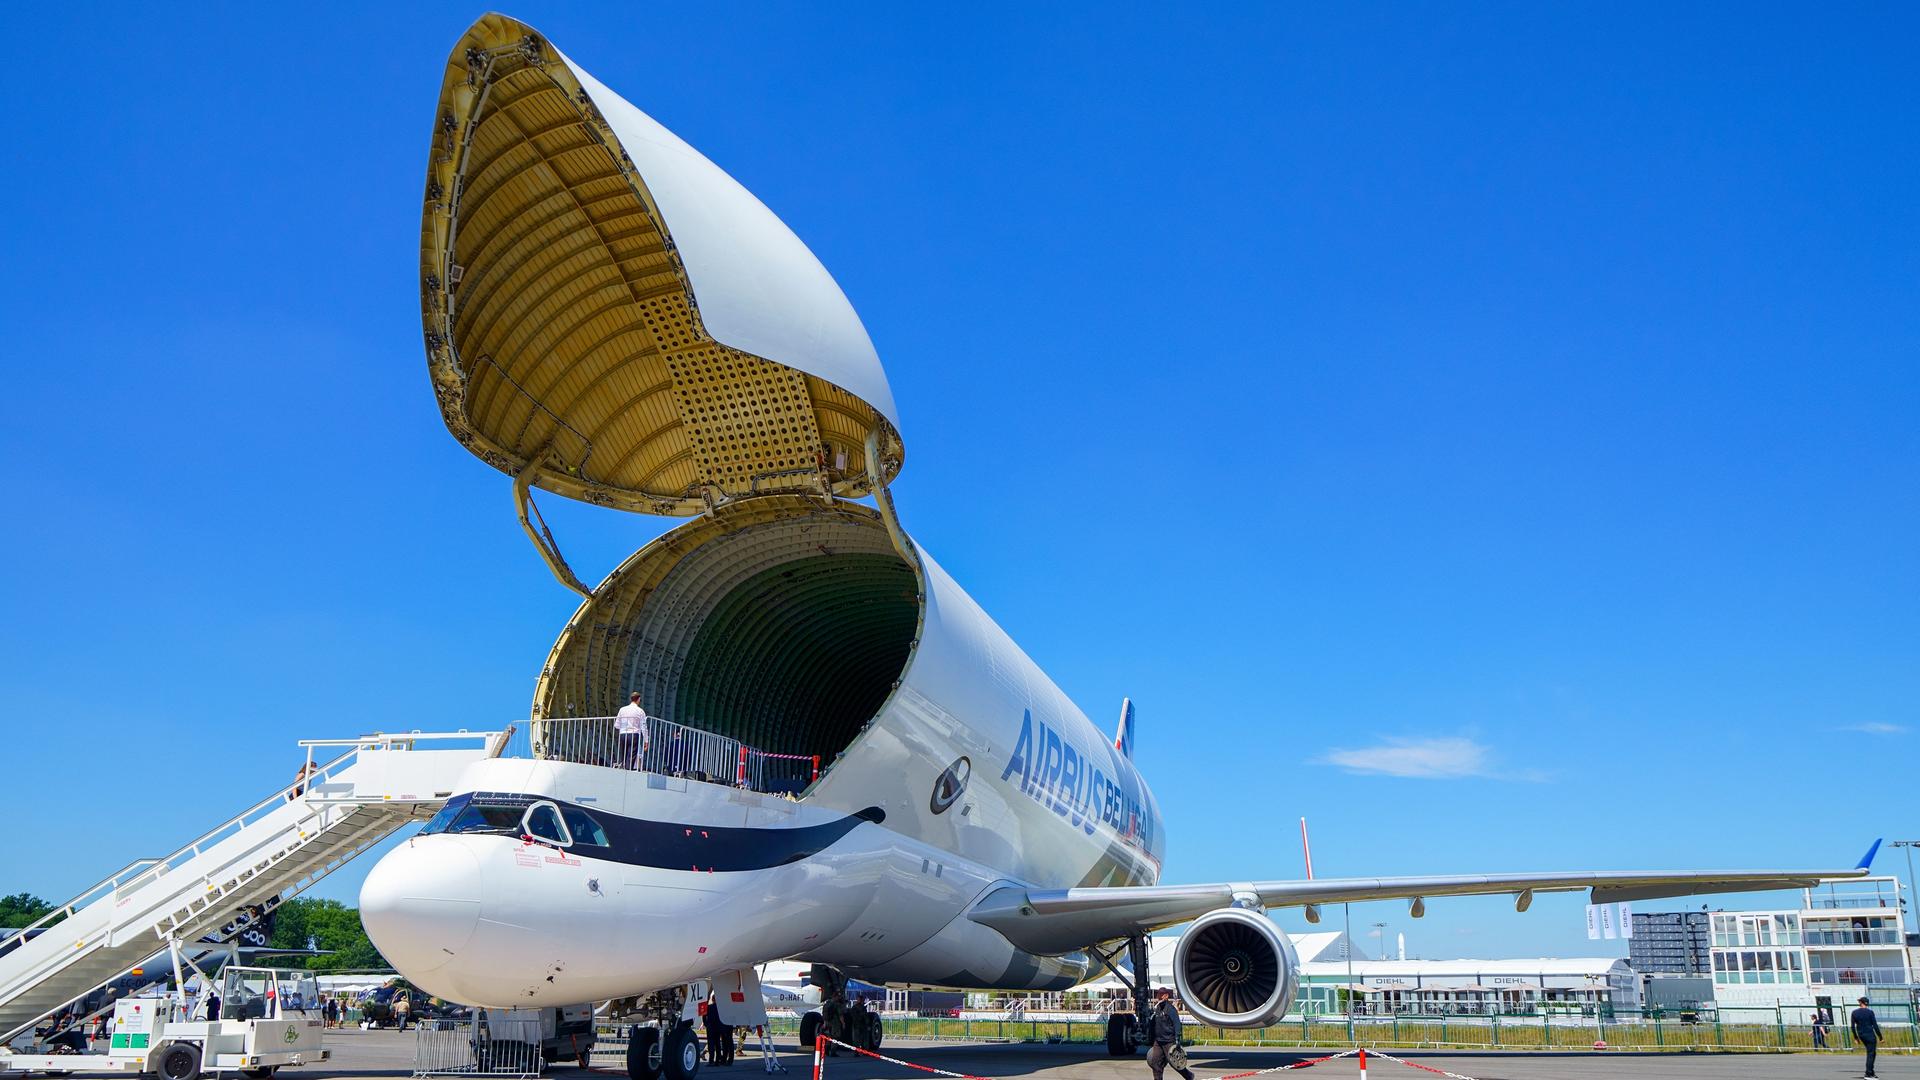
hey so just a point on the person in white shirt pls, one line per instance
(631, 727)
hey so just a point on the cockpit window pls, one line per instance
(585, 830)
(543, 823)
(478, 818)
(447, 813)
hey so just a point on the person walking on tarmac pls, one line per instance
(1163, 1026)
(1866, 1029)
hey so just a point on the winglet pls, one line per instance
(1123, 738)
(1866, 861)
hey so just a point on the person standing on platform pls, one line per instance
(631, 727)
(1866, 1029)
(1163, 1026)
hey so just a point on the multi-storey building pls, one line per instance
(1845, 941)
(1671, 943)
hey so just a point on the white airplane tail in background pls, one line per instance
(1123, 736)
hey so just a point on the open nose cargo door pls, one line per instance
(610, 317)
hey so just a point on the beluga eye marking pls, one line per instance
(947, 789)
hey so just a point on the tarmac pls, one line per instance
(388, 1055)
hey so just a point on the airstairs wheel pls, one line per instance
(180, 1061)
(643, 1053)
(682, 1053)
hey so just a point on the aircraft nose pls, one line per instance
(421, 903)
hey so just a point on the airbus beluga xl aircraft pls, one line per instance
(848, 763)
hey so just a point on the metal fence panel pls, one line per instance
(480, 1045)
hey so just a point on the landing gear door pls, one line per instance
(737, 993)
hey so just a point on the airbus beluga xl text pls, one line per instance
(850, 762)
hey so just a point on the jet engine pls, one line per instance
(1235, 969)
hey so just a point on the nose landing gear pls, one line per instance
(662, 1045)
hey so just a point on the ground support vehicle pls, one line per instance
(156, 1035)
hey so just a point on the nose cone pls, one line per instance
(421, 903)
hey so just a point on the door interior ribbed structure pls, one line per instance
(784, 624)
(562, 329)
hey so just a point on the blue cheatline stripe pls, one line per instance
(672, 845)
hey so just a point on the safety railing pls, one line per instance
(1846, 938)
(672, 749)
(1858, 976)
(487, 1043)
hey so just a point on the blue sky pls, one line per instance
(1488, 431)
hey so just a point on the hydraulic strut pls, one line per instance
(1142, 987)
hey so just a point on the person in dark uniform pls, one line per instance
(833, 1017)
(1866, 1029)
(213, 1005)
(1163, 1026)
(710, 1019)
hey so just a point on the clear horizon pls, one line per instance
(1487, 432)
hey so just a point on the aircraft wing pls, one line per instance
(1053, 921)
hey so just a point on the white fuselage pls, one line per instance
(872, 871)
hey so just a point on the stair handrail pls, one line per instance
(73, 905)
(146, 869)
(309, 776)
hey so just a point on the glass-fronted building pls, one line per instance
(1845, 941)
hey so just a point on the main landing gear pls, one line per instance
(1127, 1032)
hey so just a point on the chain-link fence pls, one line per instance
(487, 1043)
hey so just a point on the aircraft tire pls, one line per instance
(680, 1054)
(873, 1036)
(643, 1053)
(180, 1061)
(1120, 1035)
(809, 1032)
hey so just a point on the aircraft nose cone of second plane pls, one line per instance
(421, 903)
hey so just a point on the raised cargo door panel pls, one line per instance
(612, 315)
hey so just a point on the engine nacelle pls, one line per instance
(1235, 969)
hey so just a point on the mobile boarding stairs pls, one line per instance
(273, 850)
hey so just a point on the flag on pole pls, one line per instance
(1606, 922)
(1626, 920)
(1593, 923)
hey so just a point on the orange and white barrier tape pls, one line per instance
(820, 1049)
(1416, 1065)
